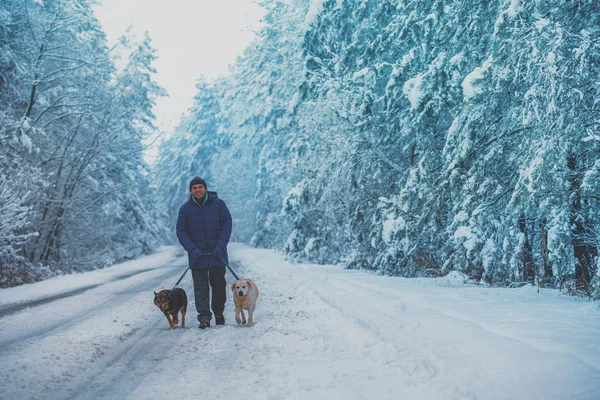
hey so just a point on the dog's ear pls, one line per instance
(249, 284)
(233, 287)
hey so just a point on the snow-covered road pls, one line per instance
(320, 332)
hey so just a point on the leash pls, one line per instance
(209, 254)
(184, 272)
(230, 270)
(224, 262)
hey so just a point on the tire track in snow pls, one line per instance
(338, 295)
(285, 336)
(51, 363)
(17, 339)
(119, 373)
(431, 364)
(438, 303)
(456, 349)
(14, 308)
(150, 351)
(304, 333)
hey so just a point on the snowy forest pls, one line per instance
(411, 138)
(75, 193)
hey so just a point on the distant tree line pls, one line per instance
(412, 138)
(75, 192)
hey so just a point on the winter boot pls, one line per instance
(204, 324)
(219, 320)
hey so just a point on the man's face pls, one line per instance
(198, 191)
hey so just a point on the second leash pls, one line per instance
(224, 262)
(230, 270)
(209, 254)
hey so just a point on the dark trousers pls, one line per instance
(216, 277)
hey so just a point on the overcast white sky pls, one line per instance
(192, 38)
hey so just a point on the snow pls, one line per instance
(464, 232)
(294, 102)
(412, 90)
(469, 90)
(320, 332)
(542, 23)
(361, 73)
(293, 196)
(431, 17)
(407, 58)
(456, 278)
(316, 6)
(461, 216)
(511, 11)
(591, 175)
(469, 84)
(26, 141)
(64, 284)
(591, 137)
(530, 174)
(457, 59)
(310, 246)
(391, 225)
(488, 252)
(392, 81)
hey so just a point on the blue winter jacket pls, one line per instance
(202, 227)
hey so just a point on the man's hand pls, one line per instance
(218, 252)
(196, 254)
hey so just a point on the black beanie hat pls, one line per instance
(198, 181)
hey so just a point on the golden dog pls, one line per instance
(245, 293)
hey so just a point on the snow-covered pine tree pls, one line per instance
(419, 138)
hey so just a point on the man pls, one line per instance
(203, 229)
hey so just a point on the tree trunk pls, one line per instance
(527, 254)
(583, 250)
(32, 96)
(545, 269)
(36, 77)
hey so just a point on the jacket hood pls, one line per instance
(212, 196)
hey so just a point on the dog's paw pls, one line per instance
(238, 320)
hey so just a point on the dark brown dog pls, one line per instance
(170, 303)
